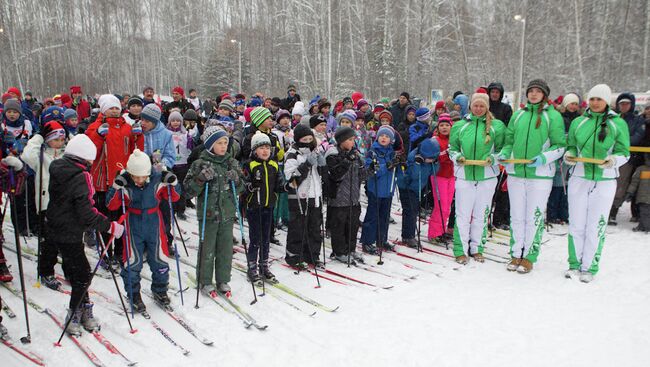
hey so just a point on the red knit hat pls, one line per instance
(178, 89)
(440, 104)
(356, 96)
(65, 98)
(15, 91)
(75, 89)
(5, 97)
(481, 90)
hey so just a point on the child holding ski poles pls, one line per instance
(138, 191)
(442, 183)
(214, 174)
(263, 180)
(71, 191)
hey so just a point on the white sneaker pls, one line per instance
(571, 273)
(586, 277)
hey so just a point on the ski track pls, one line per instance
(481, 315)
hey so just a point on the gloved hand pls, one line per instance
(629, 196)
(232, 175)
(610, 161)
(394, 163)
(116, 229)
(460, 160)
(102, 130)
(321, 160)
(351, 155)
(136, 129)
(119, 182)
(568, 159)
(169, 178)
(312, 158)
(538, 161)
(156, 156)
(419, 159)
(13, 162)
(206, 174)
(8, 138)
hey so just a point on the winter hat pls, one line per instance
(440, 105)
(147, 88)
(362, 102)
(454, 115)
(6, 97)
(348, 115)
(13, 104)
(291, 87)
(259, 115)
(446, 118)
(75, 89)
(52, 113)
(601, 91)
(456, 94)
(227, 104)
(299, 103)
(385, 130)
(178, 89)
(259, 139)
(138, 164)
(361, 115)
(175, 116)
(316, 120)
(356, 97)
(541, 84)
(191, 115)
(322, 103)
(247, 113)
(429, 148)
(15, 91)
(151, 113)
(410, 108)
(135, 100)
(276, 101)
(481, 98)
(81, 146)
(347, 100)
(282, 113)
(405, 94)
(461, 100)
(386, 114)
(301, 131)
(211, 134)
(344, 133)
(481, 90)
(108, 101)
(69, 114)
(29, 93)
(422, 114)
(378, 108)
(570, 98)
(298, 110)
(255, 102)
(52, 130)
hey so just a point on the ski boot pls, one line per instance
(343, 258)
(358, 257)
(89, 322)
(267, 276)
(369, 249)
(209, 290)
(462, 259)
(190, 204)
(478, 257)
(138, 305)
(525, 266)
(319, 264)
(387, 246)
(253, 275)
(51, 282)
(513, 264)
(4, 333)
(5, 275)
(74, 328)
(572, 273)
(224, 288)
(410, 242)
(586, 277)
(162, 300)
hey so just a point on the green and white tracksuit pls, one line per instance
(529, 186)
(474, 184)
(592, 187)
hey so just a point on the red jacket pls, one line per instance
(446, 165)
(83, 109)
(113, 150)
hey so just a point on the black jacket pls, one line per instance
(500, 110)
(263, 177)
(71, 211)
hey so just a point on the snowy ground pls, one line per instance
(480, 315)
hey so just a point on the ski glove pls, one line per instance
(168, 178)
(136, 129)
(103, 129)
(13, 162)
(116, 229)
(206, 174)
(232, 175)
(312, 158)
(538, 161)
(460, 160)
(610, 161)
(119, 182)
(568, 159)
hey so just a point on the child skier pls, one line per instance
(639, 190)
(217, 170)
(442, 184)
(284, 132)
(71, 191)
(183, 145)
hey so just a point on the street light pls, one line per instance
(239, 43)
(521, 19)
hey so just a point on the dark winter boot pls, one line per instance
(138, 305)
(410, 242)
(89, 322)
(388, 246)
(161, 298)
(74, 328)
(266, 273)
(5, 275)
(3, 331)
(253, 275)
(369, 249)
(51, 282)
(612, 217)
(223, 288)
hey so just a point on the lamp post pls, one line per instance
(521, 19)
(239, 44)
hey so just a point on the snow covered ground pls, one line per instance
(480, 315)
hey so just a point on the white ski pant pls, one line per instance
(528, 199)
(473, 199)
(589, 205)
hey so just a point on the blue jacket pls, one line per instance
(159, 138)
(408, 179)
(418, 132)
(380, 183)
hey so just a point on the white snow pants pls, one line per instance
(473, 199)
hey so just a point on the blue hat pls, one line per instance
(151, 113)
(69, 113)
(211, 135)
(429, 148)
(52, 113)
(386, 130)
(255, 102)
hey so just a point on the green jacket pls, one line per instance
(583, 142)
(221, 201)
(467, 139)
(525, 141)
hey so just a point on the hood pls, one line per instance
(156, 129)
(463, 101)
(429, 148)
(498, 86)
(629, 96)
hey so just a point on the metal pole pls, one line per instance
(239, 42)
(521, 63)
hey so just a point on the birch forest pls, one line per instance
(326, 47)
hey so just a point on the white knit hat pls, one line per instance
(81, 146)
(108, 101)
(138, 164)
(601, 91)
(570, 98)
(481, 97)
(259, 139)
(298, 110)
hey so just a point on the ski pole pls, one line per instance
(28, 338)
(350, 220)
(171, 222)
(198, 262)
(261, 242)
(117, 287)
(419, 167)
(311, 255)
(83, 295)
(241, 233)
(40, 218)
(377, 241)
(442, 219)
(128, 252)
(180, 233)
(323, 231)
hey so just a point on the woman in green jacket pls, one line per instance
(477, 137)
(535, 134)
(602, 136)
